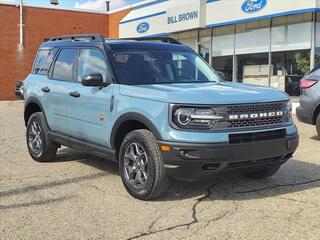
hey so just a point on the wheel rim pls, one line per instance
(136, 165)
(35, 141)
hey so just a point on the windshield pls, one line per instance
(160, 67)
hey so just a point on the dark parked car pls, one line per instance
(20, 89)
(309, 110)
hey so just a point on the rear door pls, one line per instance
(89, 107)
(60, 77)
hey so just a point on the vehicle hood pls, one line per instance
(204, 93)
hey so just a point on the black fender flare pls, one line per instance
(136, 117)
(36, 101)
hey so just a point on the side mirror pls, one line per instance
(92, 80)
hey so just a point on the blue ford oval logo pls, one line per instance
(143, 27)
(251, 6)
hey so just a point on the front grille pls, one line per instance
(255, 122)
(256, 136)
(251, 108)
(257, 108)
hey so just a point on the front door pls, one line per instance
(89, 107)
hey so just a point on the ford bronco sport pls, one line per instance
(155, 108)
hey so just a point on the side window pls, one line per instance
(91, 61)
(45, 67)
(63, 67)
(40, 61)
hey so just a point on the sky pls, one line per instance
(82, 4)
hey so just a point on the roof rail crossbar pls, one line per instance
(162, 39)
(79, 37)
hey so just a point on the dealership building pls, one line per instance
(266, 42)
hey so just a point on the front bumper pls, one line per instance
(194, 162)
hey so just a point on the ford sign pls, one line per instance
(143, 27)
(251, 6)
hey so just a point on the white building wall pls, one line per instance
(161, 17)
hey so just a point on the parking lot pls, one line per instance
(79, 196)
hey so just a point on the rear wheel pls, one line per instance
(318, 124)
(40, 147)
(263, 174)
(141, 167)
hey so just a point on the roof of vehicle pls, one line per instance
(157, 43)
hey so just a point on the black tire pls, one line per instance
(262, 174)
(39, 145)
(156, 183)
(318, 124)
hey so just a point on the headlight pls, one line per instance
(195, 118)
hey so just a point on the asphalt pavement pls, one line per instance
(79, 196)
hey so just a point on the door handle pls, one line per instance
(45, 89)
(74, 94)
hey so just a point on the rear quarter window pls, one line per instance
(43, 61)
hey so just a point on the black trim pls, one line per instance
(93, 149)
(194, 161)
(36, 101)
(135, 117)
(162, 39)
(78, 37)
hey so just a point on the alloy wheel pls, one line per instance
(34, 139)
(136, 166)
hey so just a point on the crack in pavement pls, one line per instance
(225, 214)
(278, 186)
(188, 225)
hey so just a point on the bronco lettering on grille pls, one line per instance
(255, 115)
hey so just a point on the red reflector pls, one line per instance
(307, 83)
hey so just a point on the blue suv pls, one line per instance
(156, 108)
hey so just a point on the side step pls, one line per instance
(82, 146)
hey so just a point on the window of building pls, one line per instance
(253, 68)
(189, 38)
(204, 43)
(291, 32)
(253, 37)
(223, 66)
(63, 68)
(223, 51)
(91, 61)
(223, 41)
(317, 42)
(287, 69)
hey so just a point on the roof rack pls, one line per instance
(78, 37)
(162, 39)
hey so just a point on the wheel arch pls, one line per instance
(131, 118)
(31, 106)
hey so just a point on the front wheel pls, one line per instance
(40, 147)
(141, 166)
(263, 174)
